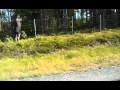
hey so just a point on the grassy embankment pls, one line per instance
(46, 55)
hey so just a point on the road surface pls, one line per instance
(104, 74)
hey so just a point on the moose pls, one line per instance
(16, 26)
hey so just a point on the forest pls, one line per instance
(55, 41)
(55, 21)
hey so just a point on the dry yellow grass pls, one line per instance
(59, 62)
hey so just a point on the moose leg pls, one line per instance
(18, 37)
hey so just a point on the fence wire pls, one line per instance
(54, 25)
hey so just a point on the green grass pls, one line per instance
(44, 55)
(63, 60)
(47, 44)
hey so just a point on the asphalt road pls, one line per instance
(104, 74)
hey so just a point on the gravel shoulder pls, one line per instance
(104, 74)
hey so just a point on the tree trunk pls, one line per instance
(65, 20)
(42, 21)
(82, 15)
(86, 16)
(0, 27)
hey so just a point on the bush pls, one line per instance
(23, 35)
(8, 38)
(47, 44)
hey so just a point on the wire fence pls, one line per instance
(54, 25)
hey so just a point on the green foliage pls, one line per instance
(105, 38)
(23, 35)
(8, 38)
(47, 44)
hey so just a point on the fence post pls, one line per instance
(35, 27)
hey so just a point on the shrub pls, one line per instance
(23, 35)
(8, 38)
(47, 44)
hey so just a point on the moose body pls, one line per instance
(16, 25)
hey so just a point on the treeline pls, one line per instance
(50, 21)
